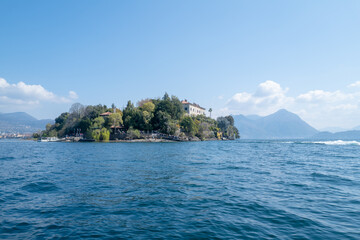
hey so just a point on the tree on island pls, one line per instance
(165, 115)
(226, 125)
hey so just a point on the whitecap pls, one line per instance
(338, 142)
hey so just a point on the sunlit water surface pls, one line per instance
(198, 190)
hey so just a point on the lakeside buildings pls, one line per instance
(4, 135)
(192, 108)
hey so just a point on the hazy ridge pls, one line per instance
(21, 122)
(279, 125)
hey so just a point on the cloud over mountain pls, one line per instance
(22, 93)
(33, 99)
(319, 107)
(269, 96)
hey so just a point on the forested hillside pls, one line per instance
(165, 115)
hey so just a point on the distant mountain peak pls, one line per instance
(21, 122)
(281, 124)
(283, 112)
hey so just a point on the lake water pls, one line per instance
(197, 190)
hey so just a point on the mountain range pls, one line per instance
(21, 122)
(286, 125)
(345, 135)
(279, 125)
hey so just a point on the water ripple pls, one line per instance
(203, 190)
(40, 187)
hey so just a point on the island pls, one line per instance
(151, 120)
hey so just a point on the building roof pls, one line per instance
(117, 126)
(192, 104)
(105, 114)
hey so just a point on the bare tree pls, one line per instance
(77, 109)
(143, 101)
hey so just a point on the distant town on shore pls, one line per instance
(165, 119)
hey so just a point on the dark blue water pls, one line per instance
(199, 190)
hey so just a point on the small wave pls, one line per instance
(40, 187)
(336, 179)
(6, 158)
(53, 226)
(338, 142)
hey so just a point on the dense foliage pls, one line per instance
(165, 115)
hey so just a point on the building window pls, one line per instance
(185, 108)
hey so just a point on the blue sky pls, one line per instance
(238, 57)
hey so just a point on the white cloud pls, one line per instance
(269, 88)
(22, 93)
(268, 97)
(33, 99)
(73, 95)
(7, 100)
(355, 84)
(3, 83)
(323, 96)
(318, 107)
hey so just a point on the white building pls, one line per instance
(192, 108)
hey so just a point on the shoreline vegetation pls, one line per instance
(152, 120)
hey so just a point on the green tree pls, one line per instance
(230, 119)
(171, 106)
(147, 117)
(188, 126)
(205, 130)
(226, 125)
(96, 134)
(232, 133)
(84, 124)
(148, 107)
(133, 133)
(48, 127)
(93, 112)
(128, 115)
(60, 121)
(53, 133)
(166, 97)
(100, 134)
(116, 119)
(104, 134)
(36, 135)
(161, 121)
(98, 122)
(170, 127)
(223, 123)
(177, 108)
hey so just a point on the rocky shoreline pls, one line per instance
(164, 140)
(141, 140)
